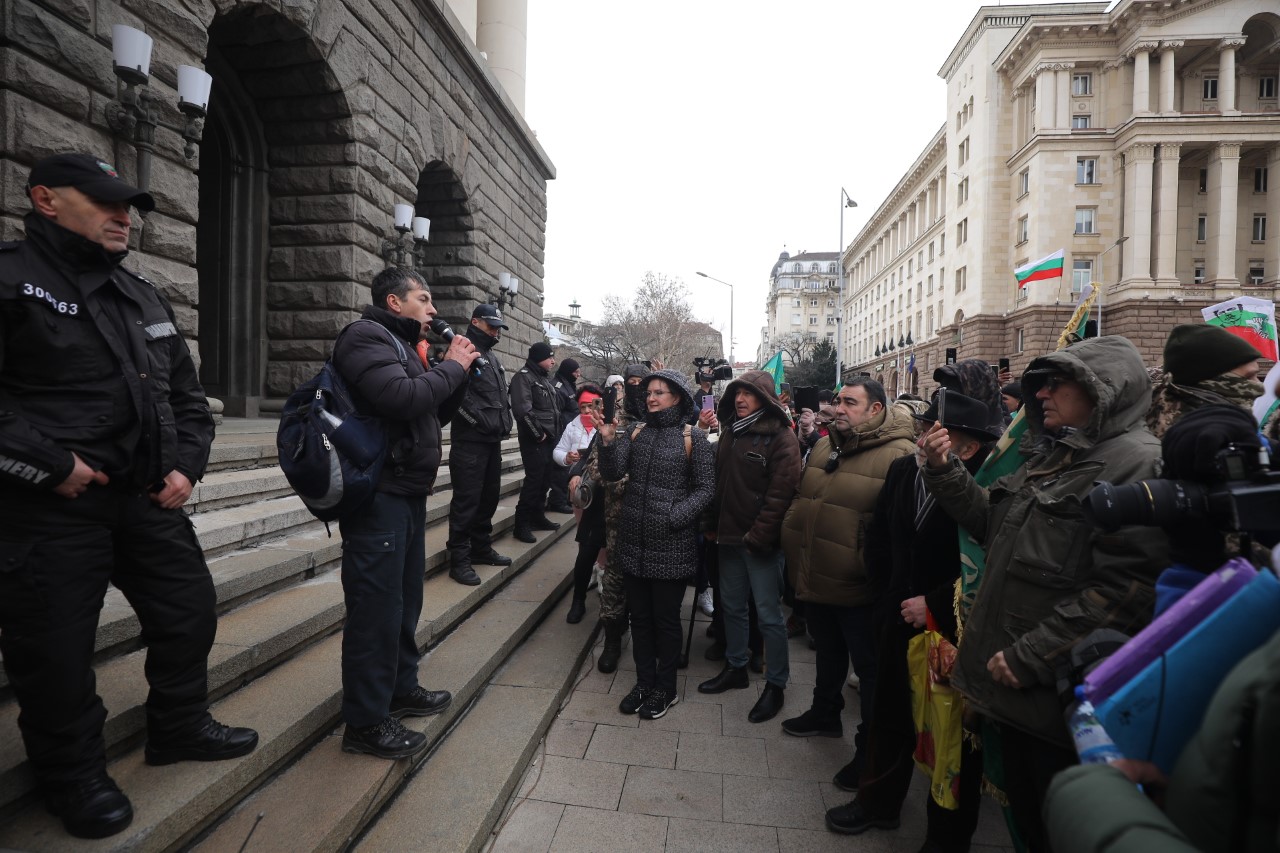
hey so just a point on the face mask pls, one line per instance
(587, 423)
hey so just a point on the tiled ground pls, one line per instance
(701, 779)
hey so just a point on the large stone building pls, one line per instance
(1140, 140)
(801, 306)
(324, 114)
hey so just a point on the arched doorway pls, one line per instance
(452, 266)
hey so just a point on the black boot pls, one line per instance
(768, 705)
(543, 523)
(90, 808)
(577, 609)
(730, 678)
(524, 533)
(612, 651)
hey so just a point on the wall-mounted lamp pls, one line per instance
(508, 287)
(134, 114)
(397, 250)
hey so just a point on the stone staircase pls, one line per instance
(275, 666)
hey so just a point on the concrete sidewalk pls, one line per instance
(702, 778)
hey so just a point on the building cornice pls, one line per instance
(933, 156)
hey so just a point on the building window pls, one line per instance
(1086, 220)
(962, 192)
(962, 232)
(1197, 272)
(1255, 272)
(919, 293)
(831, 321)
(1259, 227)
(813, 303)
(1081, 122)
(1019, 340)
(1022, 230)
(1024, 182)
(1266, 88)
(795, 303)
(1081, 274)
(1210, 91)
(930, 251)
(1203, 185)
(1202, 228)
(942, 244)
(795, 319)
(930, 290)
(813, 321)
(1086, 170)
(962, 152)
(1260, 179)
(920, 260)
(1081, 85)
(929, 315)
(961, 279)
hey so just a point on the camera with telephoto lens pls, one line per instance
(713, 370)
(1245, 498)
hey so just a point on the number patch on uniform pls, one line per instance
(37, 292)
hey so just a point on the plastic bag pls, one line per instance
(936, 709)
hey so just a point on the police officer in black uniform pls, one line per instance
(475, 456)
(536, 408)
(103, 430)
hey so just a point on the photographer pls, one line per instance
(1051, 577)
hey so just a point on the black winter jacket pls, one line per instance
(535, 405)
(92, 363)
(414, 401)
(566, 393)
(484, 415)
(667, 491)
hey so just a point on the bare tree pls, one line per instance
(797, 347)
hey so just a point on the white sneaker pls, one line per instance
(706, 602)
(596, 572)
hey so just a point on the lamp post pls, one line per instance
(732, 360)
(845, 201)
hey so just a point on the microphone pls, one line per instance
(441, 328)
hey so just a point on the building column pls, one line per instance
(1167, 77)
(1062, 97)
(1142, 78)
(1224, 189)
(1138, 162)
(501, 34)
(1227, 75)
(1271, 260)
(1046, 97)
(1167, 215)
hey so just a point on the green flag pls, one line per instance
(774, 368)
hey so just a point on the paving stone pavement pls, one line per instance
(702, 778)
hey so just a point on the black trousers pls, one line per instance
(1030, 763)
(841, 634)
(558, 480)
(56, 558)
(383, 566)
(536, 456)
(475, 468)
(655, 629)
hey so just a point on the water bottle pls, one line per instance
(1093, 744)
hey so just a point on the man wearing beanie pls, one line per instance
(1203, 366)
(536, 408)
(566, 384)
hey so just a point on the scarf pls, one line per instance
(741, 425)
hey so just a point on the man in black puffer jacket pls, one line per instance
(475, 455)
(536, 409)
(384, 542)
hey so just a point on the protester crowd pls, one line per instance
(955, 552)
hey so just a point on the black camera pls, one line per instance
(713, 370)
(1246, 499)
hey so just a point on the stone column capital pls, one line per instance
(1171, 44)
(1142, 47)
(1170, 151)
(1140, 151)
(1113, 64)
(1233, 43)
(1225, 151)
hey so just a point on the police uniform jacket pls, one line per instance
(484, 415)
(91, 362)
(535, 404)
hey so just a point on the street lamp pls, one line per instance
(845, 201)
(732, 360)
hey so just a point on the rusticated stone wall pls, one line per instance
(332, 111)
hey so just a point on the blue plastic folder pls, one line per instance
(1154, 716)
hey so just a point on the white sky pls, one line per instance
(711, 134)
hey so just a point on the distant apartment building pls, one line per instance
(801, 303)
(1142, 141)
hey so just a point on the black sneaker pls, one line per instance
(387, 739)
(420, 702)
(211, 742)
(490, 558)
(850, 819)
(846, 778)
(561, 509)
(543, 523)
(90, 808)
(811, 724)
(464, 575)
(657, 703)
(524, 533)
(633, 700)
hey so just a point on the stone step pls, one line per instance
(303, 805)
(297, 703)
(473, 772)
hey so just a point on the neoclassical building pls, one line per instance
(801, 302)
(1142, 141)
(324, 114)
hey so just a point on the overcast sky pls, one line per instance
(711, 134)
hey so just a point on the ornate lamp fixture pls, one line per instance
(134, 115)
(508, 287)
(396, 250)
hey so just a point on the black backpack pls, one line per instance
(330, 452)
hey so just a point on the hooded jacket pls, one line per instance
(757, 471)
(825, 530)
(1051, 578)
(667, 489)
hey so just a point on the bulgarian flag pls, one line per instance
(1050, 267)
(774, 368)
(1247, 317)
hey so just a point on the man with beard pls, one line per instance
(536, 409)
(475, 455)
